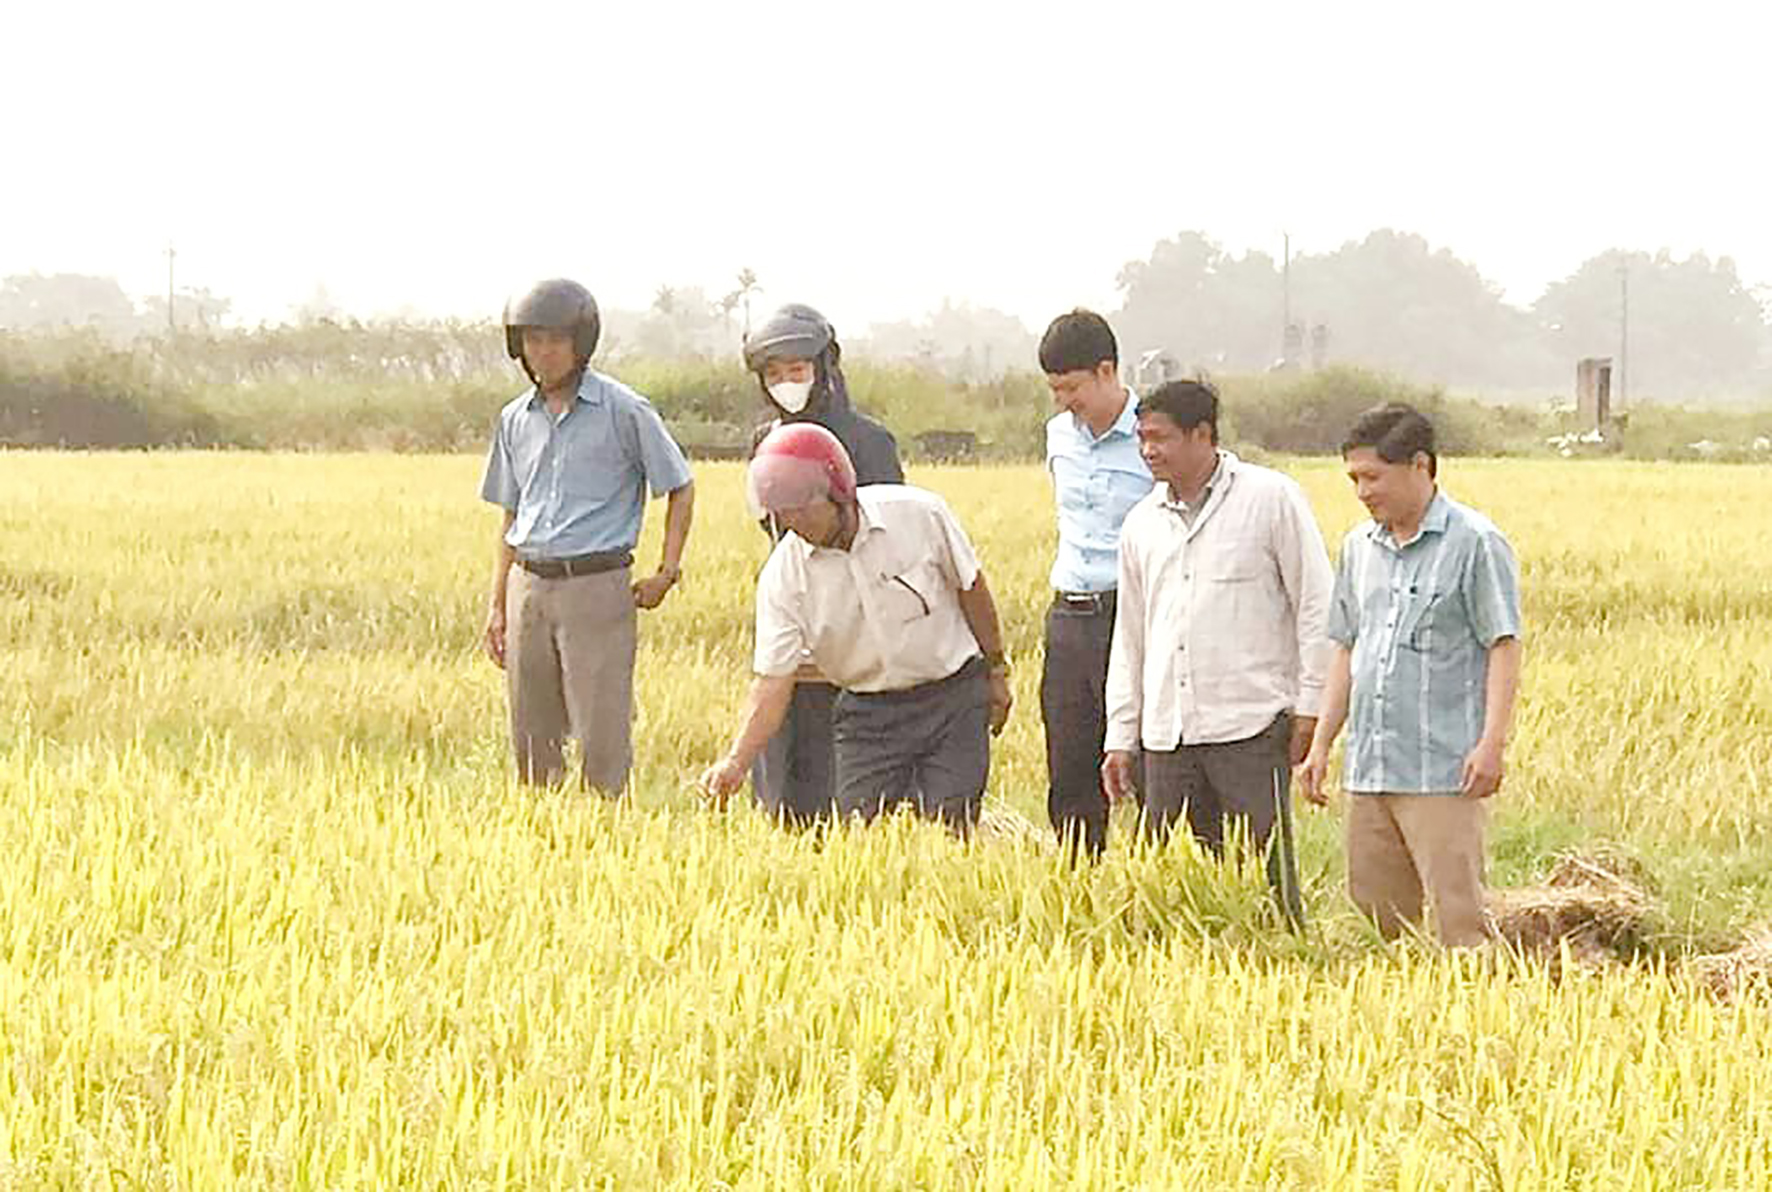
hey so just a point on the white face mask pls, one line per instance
(791, 396)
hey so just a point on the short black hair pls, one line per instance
(1395, 431)
(1185, 403)
(1081, 339)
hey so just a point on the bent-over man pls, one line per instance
(880, 589)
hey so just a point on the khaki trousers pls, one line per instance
(1403, 850)
(569, 668)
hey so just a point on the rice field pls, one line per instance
(274, 915)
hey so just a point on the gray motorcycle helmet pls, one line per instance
(558, 303)
(795, 332)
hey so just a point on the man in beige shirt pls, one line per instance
(1220, 639)
(878, 591)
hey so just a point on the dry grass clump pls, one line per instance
(1601, 905)
(1731, 974)
(1000, 823)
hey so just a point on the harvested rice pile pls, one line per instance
(1601, 904)
(1730, 974)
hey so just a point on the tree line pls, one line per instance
(1692, 330)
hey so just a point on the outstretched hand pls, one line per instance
(720, 781)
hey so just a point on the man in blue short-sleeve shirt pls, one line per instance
(571, 463)
(1426, 620)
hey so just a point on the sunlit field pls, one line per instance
(273, 914)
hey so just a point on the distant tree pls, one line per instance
(1388, 301)
(318, 307)
(747, 286)
(967, 342)
(36, 300)
(1392, 301)
(1206, 308)
(194, 309)
(681, 322)
(1695, 329)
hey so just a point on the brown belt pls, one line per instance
(592, 564)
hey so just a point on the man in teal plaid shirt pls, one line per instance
(1426, 621)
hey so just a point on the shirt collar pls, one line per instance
(864, 525)
(1222, 470)
(1126, 424)
(590, 392)
(1434, 521)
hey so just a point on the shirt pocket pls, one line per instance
(1233, 561)
(1433, 623)
(593, 473)
(907, 594)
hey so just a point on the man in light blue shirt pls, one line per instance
(570, 464)
(1426, 618)
(1098, 475)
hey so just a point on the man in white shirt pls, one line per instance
(1220, 639)
(878, 590)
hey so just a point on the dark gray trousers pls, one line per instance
(1073, 709)
(929, 746)
(795, 777)
(1213, 783)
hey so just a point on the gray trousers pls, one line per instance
(795, 776)
(569, 667)
(928, 746)
(1213, 783)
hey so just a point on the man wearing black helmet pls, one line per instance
(570, 464)
(798, 364)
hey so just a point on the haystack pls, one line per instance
(1602, 905)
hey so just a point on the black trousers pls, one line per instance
(795, 777)
(1073, 709)
(928, 746)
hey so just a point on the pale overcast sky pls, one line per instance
(870, 158)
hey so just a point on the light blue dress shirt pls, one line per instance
(577, 484)
(1097, 482)
(1420, 618)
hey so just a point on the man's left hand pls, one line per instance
(1001, 700)
(1303, 729)
(650, 592)
(1482, 770)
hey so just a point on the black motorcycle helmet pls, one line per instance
(557, 303)
(795, 332)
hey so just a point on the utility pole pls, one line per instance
(1623, 331)
(171, 256)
